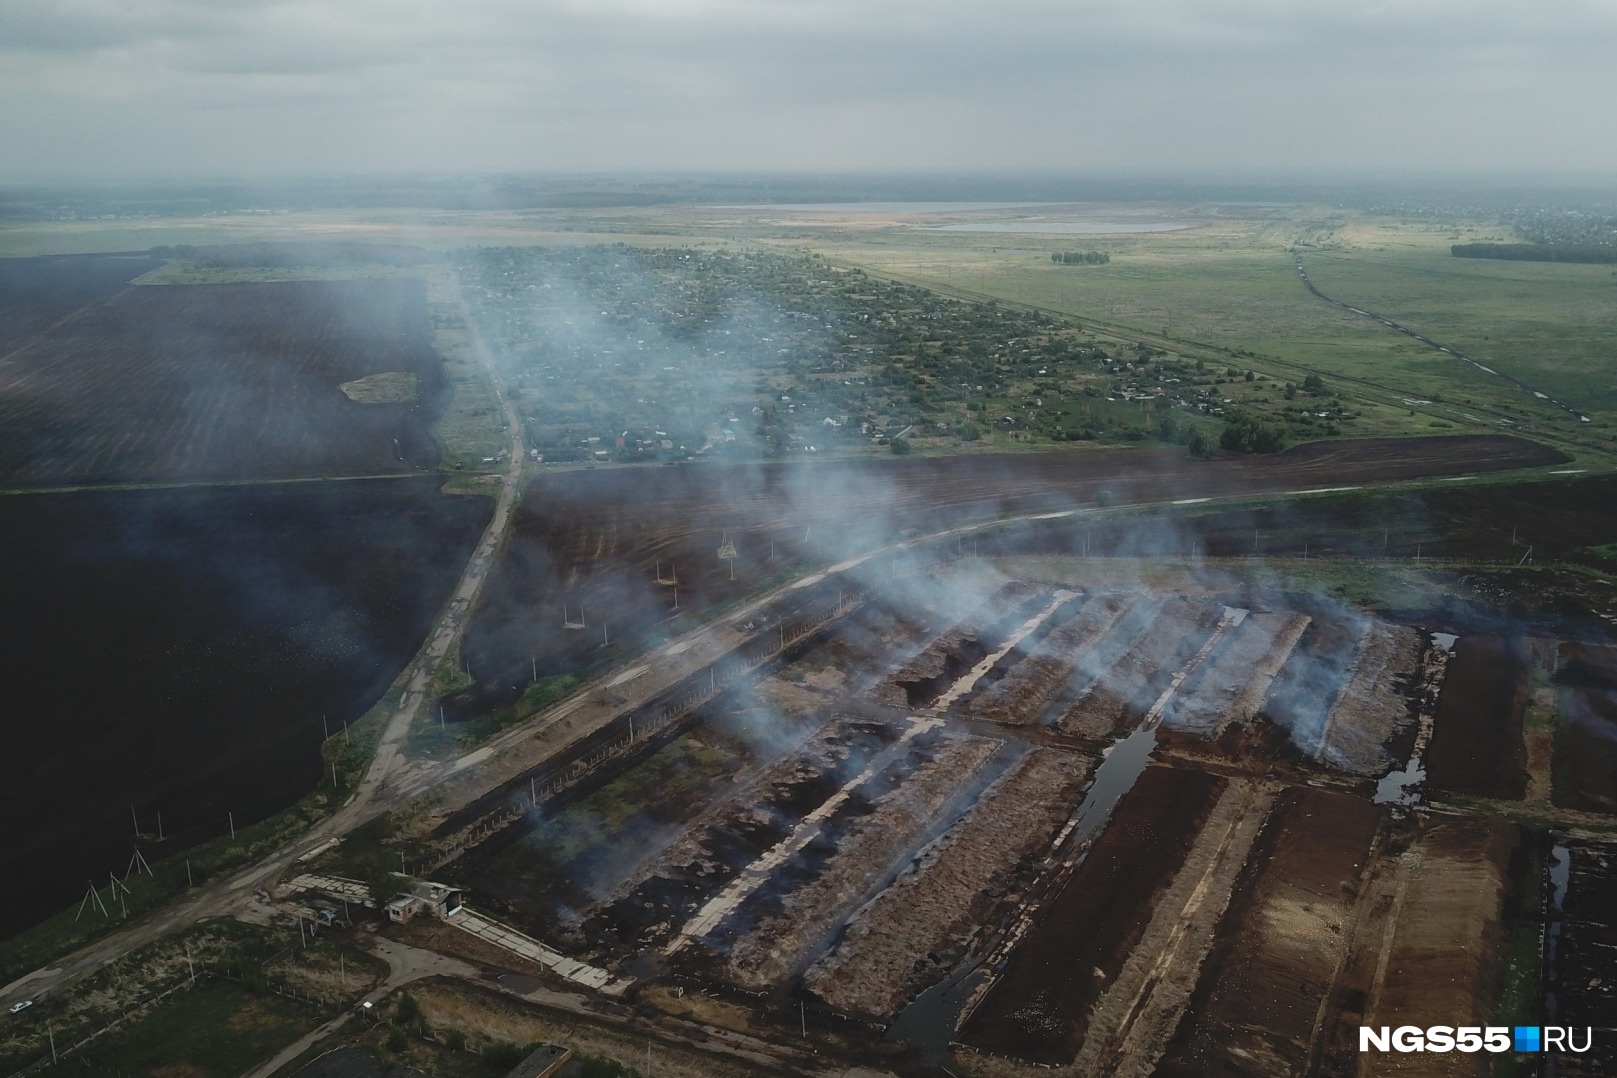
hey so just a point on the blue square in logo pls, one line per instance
(1526, 1038)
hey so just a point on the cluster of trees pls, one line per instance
(1080, 258)
(1538, 252)
(1249, 434)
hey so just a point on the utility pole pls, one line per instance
(232, 817)
(188, 883)
(132, 816)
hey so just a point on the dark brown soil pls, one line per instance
(1039, 1009)
(228, 381)
(1476, 745)
(36, 292)
(1261, 988)
(177, 650)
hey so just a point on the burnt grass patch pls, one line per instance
(1585, 766)
(1039, 1009)
(182, 647)
(740, 833)
(541, 871)
(1033, 644)
(222, 381)
(808, 863)
(1476, 745)
(1124, 689)
(596, 538)
(1314, 677)
(965, 645)
(1581, 954)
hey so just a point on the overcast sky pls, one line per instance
(136, 88)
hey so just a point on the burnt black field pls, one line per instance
(175, 650)
(35, 293)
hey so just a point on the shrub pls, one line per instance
(503, 1055)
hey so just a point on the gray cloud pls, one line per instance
(255, 86)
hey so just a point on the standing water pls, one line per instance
(1401, 787)
(929, 1022)
(1125, 762)
(1560, 876)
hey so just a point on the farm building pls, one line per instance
(437, 899)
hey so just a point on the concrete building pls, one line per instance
(437, 899)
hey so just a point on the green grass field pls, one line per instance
(1233, 285)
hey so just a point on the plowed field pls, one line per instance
(228, 381)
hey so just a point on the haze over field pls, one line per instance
(100, 89)
(802, 537)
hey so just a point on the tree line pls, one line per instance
(1537, 252)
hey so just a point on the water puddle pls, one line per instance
(1401, 787)
(1560, 877)
(929, 1022)
(1125, 762)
